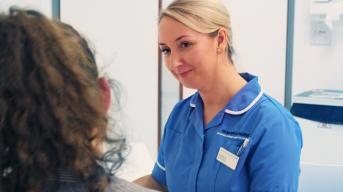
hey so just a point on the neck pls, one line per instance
(222, 87)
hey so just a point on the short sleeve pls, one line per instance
(159, 170)
(274, 164)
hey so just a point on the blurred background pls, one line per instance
(295, 48)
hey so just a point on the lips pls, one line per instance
(182, 70)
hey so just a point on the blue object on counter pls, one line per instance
(319, 105)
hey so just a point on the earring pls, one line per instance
(218, 49)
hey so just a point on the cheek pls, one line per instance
(201, 55)
(206, 58)
(198, 60)
(204, 65)
(167, 64)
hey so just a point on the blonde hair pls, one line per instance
(203, 16)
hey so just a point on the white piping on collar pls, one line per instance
(247, 108)
(160, 166)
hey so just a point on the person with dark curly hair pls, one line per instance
(53, 111)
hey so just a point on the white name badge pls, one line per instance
(227, 158)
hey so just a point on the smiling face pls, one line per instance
(190, 56)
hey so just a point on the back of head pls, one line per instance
(203, 16)
(51, 108)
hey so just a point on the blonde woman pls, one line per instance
(229, 135)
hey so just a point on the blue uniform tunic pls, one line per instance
(253, 144)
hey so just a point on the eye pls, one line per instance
(165, 51)
(185, 44)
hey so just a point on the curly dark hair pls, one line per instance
(51, 106)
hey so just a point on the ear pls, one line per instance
(106, 92)
(221, 39)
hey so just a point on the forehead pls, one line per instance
(170, 29)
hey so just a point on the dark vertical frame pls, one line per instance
(56, 9)
(289, 53)
(159, 105)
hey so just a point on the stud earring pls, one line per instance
(218, 49)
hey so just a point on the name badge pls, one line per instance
(227, 158)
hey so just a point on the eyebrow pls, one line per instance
(177, 39)
(182, 36)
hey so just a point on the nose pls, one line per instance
(175, 60)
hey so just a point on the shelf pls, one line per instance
(320, 105)
(320, 97)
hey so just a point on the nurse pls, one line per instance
(229, 135)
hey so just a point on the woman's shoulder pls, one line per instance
(186, 104)
(121, 185)
(272, 116)
(272, 109)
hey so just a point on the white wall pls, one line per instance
(44, 6)
(316, 66)
(124, 34)
(259, 38)
(259, 41)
